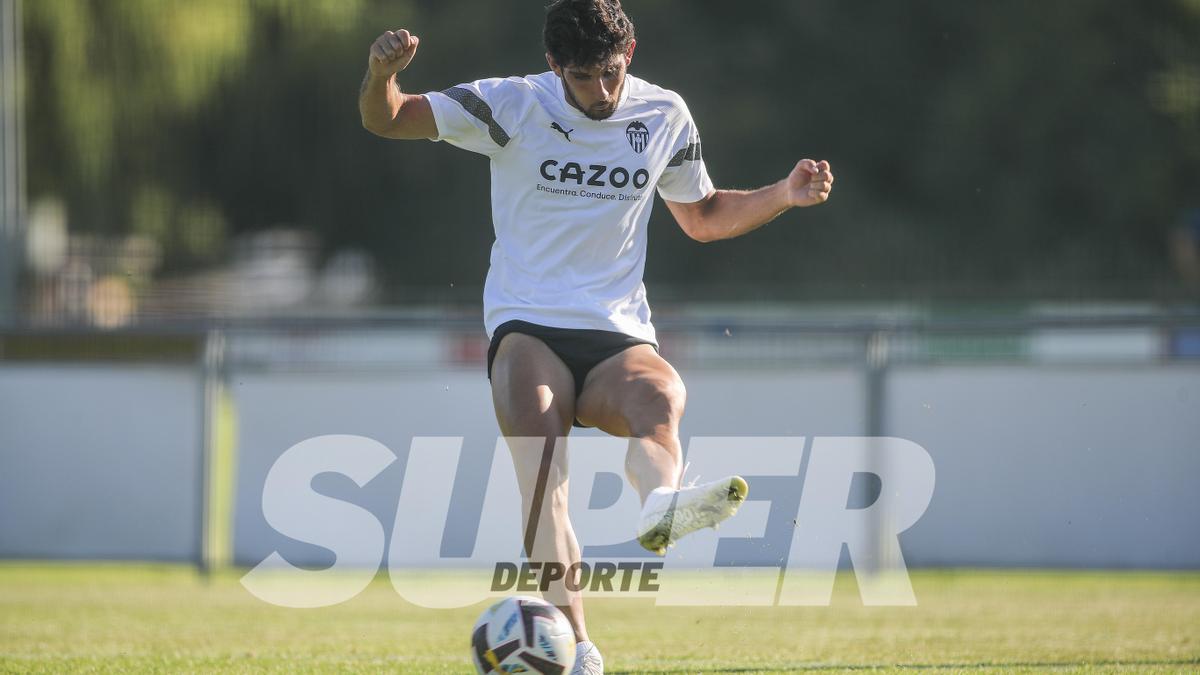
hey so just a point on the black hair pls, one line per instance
(586, 32)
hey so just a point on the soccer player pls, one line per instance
(576, 155)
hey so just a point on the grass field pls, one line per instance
(123, 618)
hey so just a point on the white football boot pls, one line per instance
(587, 660)
(669, 515)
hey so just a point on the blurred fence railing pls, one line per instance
(418, 340)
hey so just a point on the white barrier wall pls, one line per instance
(99, 461)
(277, 410)
(1036, 466)
(1055, 465)
(1090, 466)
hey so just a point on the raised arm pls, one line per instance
(386, 111)
(725, 214)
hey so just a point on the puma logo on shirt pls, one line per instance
(564, 132)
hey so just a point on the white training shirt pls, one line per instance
(571, 196)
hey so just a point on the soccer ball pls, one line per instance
(523, 635)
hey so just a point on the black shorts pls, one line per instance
(579, 348)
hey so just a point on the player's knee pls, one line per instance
(670, 397)
(660, 404)
(538, 471)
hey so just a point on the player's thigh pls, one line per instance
(532, 389)
(534, 396)
(632, 393)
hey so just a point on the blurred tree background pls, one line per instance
(1014, 149)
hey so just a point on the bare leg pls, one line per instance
(638, 395)
(533, 393)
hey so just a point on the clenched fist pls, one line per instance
(392, 52)
(809, 183)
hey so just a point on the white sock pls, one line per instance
(657, 496)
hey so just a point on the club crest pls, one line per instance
(638, 135)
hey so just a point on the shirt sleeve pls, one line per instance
(468, 115)
(685, 180)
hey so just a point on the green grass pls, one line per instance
(121, 618)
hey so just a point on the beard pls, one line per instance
(599, 111)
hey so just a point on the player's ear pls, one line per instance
(629, 52)
(553, 66)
